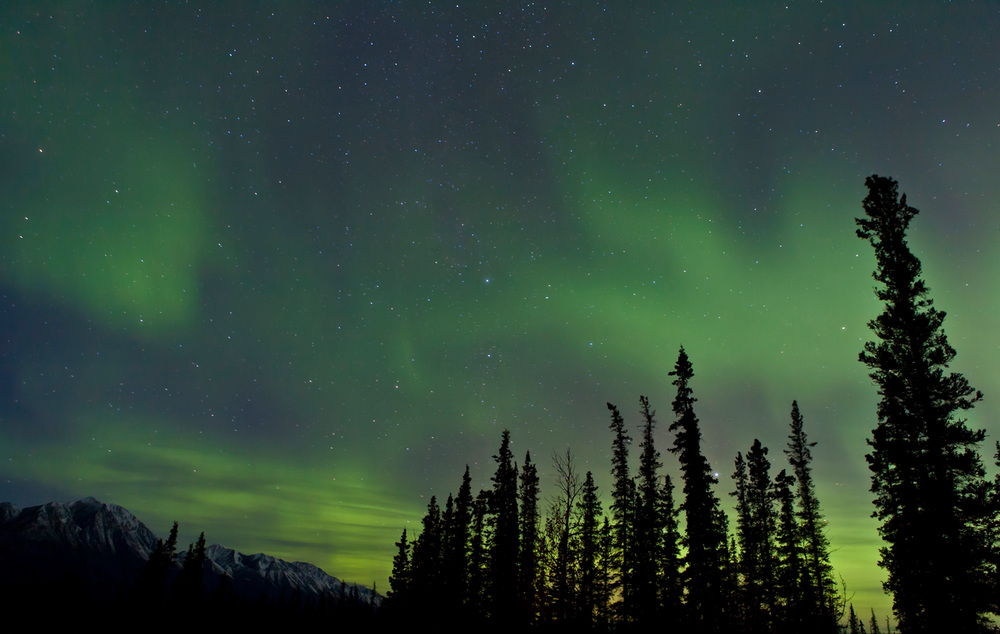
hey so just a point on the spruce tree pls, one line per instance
(152, 582)
(760, 556)
(425, 578)
(455, 549)
(590, 544)
(790, 614)
(705, 535)
(504, 548)
(528, 517)
(397, 599)
(875, 629)
(819, 591)
(622, 516)
(170, 546)
(927, 475)
(755, 530)
(647, 521)
(744, 522)
(854, 625)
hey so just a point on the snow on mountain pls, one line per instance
(108, 544)
(278, 575)
(84, 524)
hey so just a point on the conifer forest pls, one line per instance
(649, 555)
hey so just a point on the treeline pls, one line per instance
(177, 587)
(495, 559)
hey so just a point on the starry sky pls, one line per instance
(279, 270)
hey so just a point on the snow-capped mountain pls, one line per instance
(101, 547)
(107, 546)
(86, 524)
(277, 576)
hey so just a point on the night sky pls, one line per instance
(279, 271)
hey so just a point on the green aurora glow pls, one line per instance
(280, 276)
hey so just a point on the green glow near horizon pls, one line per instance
(338, 518)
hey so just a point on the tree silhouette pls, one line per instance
(191, 578)
(790, 612)
(455, 546)
(755, 531)
(873, 624)
(528, 517)
(563, 537)
(648, 533)
(819, 591)
(426, 565)
(622, 515)
(399, 578)
(705, 535)
(152, 585)
(854, 625)
(927, 475)
(504, 551)
(590, 543)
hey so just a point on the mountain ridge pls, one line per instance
(105, 545)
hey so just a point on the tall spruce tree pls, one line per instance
(455, 549)
(705, 536)
(790, 615)
(426, 568)
(397, 599)
(590, 545)
(744, 522)
(528, 517)
(622, 516)
(504, 548)
(755, 531)
(819, 591)
(648, 533)
(760, 566)
(927, 475)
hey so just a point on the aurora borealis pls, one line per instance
(278, 271)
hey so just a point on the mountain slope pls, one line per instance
(103, 548)
(260, 573)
